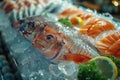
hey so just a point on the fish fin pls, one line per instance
(77, 58)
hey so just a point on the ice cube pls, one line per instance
(20, 44)
(5, 27)
(54, 70)
(40, 75)
(9, 35)
(4, 22)
(3, 16)
(31, 62)
(33, 56)
(68, 68)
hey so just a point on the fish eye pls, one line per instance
(49, 37)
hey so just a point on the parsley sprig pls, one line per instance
(65, 21)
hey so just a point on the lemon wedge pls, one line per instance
(107, 67)
(80, 21)
(77, 20)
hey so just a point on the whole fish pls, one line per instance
(56, 41)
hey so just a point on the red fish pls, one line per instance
(56, 41)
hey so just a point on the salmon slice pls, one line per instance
(97, 26)
(68, 12)
(83, 31)
(113, 49)
(84, 15)
(110, 44)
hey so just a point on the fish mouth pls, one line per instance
(41, 44)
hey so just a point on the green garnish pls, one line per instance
(89, 71)
(65, 21)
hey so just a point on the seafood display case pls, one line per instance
(57, 40)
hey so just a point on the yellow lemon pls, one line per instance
(79, 20)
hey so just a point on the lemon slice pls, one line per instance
(107, 67)
(80, 21)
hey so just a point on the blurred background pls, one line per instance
(102, 6)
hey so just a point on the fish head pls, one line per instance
(47, 37)
(44, 35)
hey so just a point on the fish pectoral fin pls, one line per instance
(77, 58)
